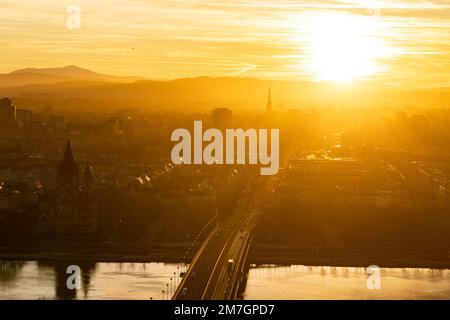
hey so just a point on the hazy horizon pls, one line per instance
(60, 86)
(139, 77)
(401, 42)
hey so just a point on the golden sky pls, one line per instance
(401, 42)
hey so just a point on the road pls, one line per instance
(200, 280)
(208, 276)
(225, 282)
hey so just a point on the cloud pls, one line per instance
(243, 70)
(176, 38)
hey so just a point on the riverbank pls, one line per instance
(383, 257)
(169, 253)
(259, 254)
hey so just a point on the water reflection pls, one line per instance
(324, 282)
(48, 280)
(9, 270)
(60, 269)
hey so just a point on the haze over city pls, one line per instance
(224, 150)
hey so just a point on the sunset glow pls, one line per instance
(322, 40)
(344, 47)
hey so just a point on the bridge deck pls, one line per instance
(207, 277)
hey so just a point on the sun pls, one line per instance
(343, 47)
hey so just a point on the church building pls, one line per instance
(71, 207)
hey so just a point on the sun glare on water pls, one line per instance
(343, 47)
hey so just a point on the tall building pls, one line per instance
(269, 103)
(222, 118)
(30, 119)
(24, 115)
(7, 112)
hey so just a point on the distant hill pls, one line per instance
(204, 93)
(225, 90)
(29, 76)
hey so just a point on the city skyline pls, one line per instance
(225, 150)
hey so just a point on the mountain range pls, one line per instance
(72, 82)
(29, 76)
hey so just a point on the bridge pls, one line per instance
(217, 271)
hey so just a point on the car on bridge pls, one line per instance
(230, 265)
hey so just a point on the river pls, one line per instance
(48, 280)
(304, 282)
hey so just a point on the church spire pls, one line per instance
(269, 103)
(67, 176)
(67, 165)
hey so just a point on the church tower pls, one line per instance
(87, 179)
(269, 104)
(68, 176)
